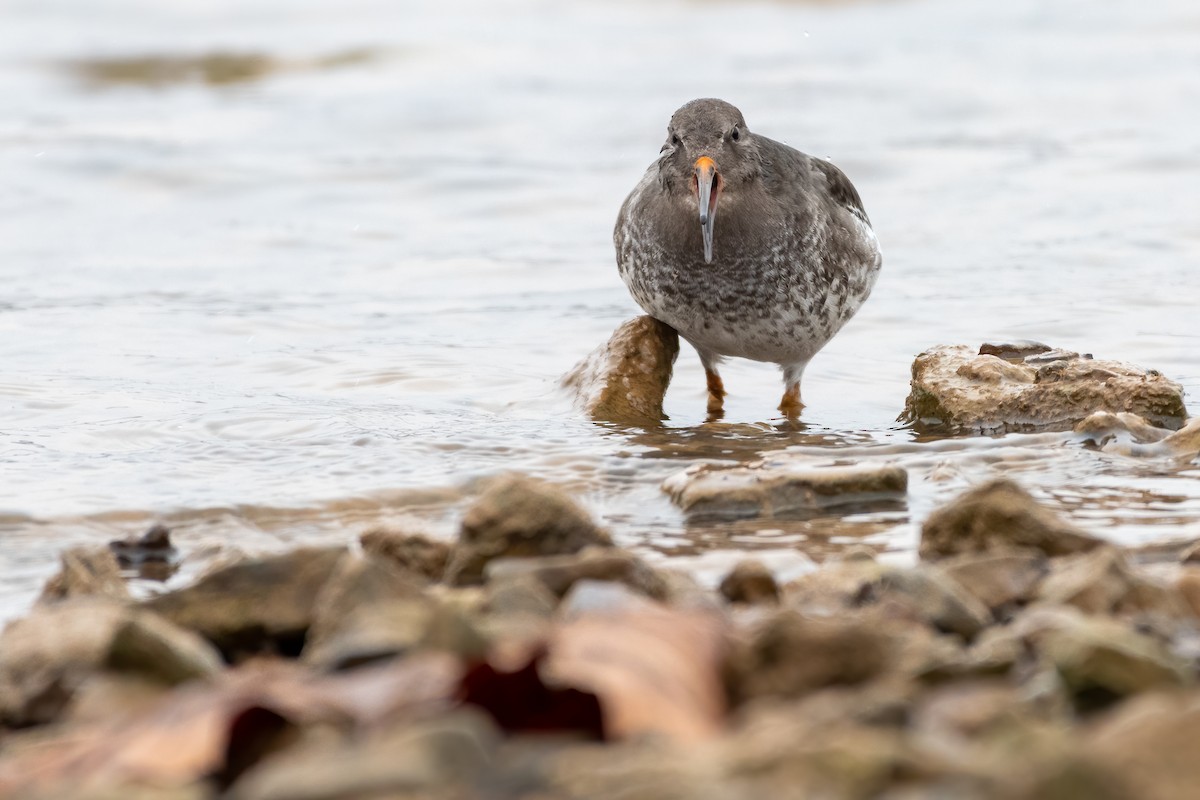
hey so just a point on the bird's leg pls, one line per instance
(716, 391)
(790, 405)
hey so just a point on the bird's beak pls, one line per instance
(708, 189)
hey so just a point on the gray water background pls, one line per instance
(333, 296)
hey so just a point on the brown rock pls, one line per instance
(412, 552)
(520, 516)
(625, 379)
(1101, 654)
(86, 571)
(367, 610)
(999, 516)
(771, 489)
(998, 580)
(46, 656)
(954, 387)
(750, 582)
(1149, 743)
(444, 757)
(1103, 582)
(256, 604)
(789, 655)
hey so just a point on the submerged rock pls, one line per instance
(771, 489)
(625, 379)
(999, 516)
(151, 555)
(520, 516)
(954, 387)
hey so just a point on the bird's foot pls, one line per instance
(790, 405)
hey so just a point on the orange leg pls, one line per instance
(790, 405)
(716, 391)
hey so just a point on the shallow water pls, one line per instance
(335, 290)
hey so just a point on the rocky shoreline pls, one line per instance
(1018, 656)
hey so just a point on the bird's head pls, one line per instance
(709, 154)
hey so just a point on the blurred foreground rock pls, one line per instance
(996, 517)
(532, 659)
(1027, 386)
(625, 379)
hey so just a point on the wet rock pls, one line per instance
(789, 655)
(1149, 743)
(410, 551)
(46, 656)
(1013, 351)
(999, 516)
(750, 582)
(625, 379)
(1099, 657)
(1131, 435)
(957, 388)
(520, 516)
(256, 604)
(1103, 582)
(1000, 581)
(86, 571)
(151, 555)
(442, 757)
(765, 490)
(559, 573)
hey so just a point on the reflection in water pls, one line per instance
(322, 299)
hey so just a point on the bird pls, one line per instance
(745, 246)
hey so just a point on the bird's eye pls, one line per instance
(674, 139)
(735, 134)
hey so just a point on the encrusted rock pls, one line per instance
(625, 379)
(750, 582)
(999, 516)
(46, 656)
(520, 516)
(769, 489)
(953, 386)
(86, 571)
(254, 604)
